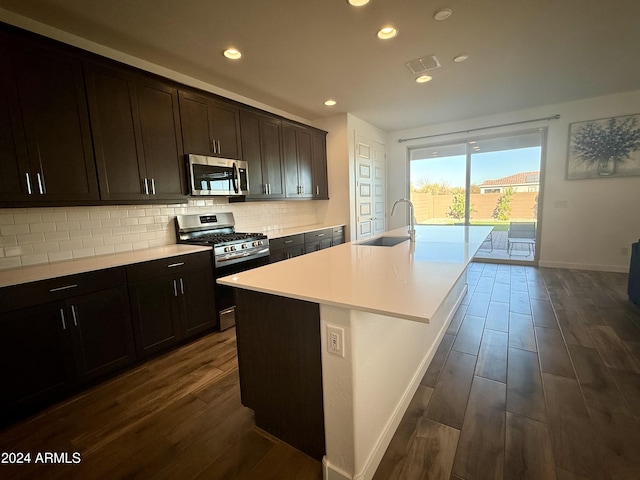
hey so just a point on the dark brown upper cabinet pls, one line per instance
(298, 167)
(209, 127)
(136, 131)
(319, 165)
(45, 139)
(262, 149)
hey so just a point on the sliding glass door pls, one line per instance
(483, 181)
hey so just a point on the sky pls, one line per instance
(484, 166)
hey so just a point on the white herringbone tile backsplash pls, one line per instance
(30, 236)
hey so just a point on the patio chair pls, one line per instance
(523, 233)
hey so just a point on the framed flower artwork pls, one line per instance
(609, 147)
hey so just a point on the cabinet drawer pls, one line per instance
(50, 290)
(338, 231)
(318, 235)
(285, 242)
(141, 272)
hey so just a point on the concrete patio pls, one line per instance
(496, 248)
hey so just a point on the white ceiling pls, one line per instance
(298, 53)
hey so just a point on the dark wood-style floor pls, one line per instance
(538, 377)
(176, 417)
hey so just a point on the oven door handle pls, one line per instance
(233, 257)
(236, 175)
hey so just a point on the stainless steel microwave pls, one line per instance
(217, 176)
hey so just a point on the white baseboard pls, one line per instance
(582, 266)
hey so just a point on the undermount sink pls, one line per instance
(384, 241)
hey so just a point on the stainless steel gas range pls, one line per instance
(232, 252)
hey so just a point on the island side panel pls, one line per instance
(368, 391)
(280, 367)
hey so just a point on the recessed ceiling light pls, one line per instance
(442, 14)
(330, 103)
(460, 58)
(424, 79)
(232, 53)
(387, 32)
(358, 3)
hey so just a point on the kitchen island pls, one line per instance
(332, 345)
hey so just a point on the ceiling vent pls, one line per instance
(422, 65)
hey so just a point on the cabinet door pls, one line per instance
(250, 128)
(271, 152)
(226, 129)
(195, 123)
(116, 133)
(56, 122)
(156, 319)
(103, 336)
(14, 163)
(197, 301)
(290, 161)
(305, 164)
(161, 140)
(319, 162)
(36, 356)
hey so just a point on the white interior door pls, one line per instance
(370, 188)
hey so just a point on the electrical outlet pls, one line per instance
(335, 340)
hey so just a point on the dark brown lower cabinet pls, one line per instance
(177, 301)
(100, 325)
(47, 350)
(36, 358)
(155, 315)
(281, 368)
(60, 334)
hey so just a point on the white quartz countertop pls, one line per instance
(45, 271)
(408, 280)
(284, 232)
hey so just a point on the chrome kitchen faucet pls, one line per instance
(412, 218)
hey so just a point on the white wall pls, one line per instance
(601, 217)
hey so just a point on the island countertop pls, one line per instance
(408, 280)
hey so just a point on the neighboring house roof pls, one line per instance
(517, 179)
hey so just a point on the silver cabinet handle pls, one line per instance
(175, 289)
(321, 235)
(265, 189)
(28, 183)
(181, 286)
(317, 190)
(73, 312)
(173, 265)
(64, 325)
(269, 188)
(40, 183)
(66, 287)
(288, 241)
(153, 186)
(146, 186)
(219, 149)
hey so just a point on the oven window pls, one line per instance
(213, 178)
